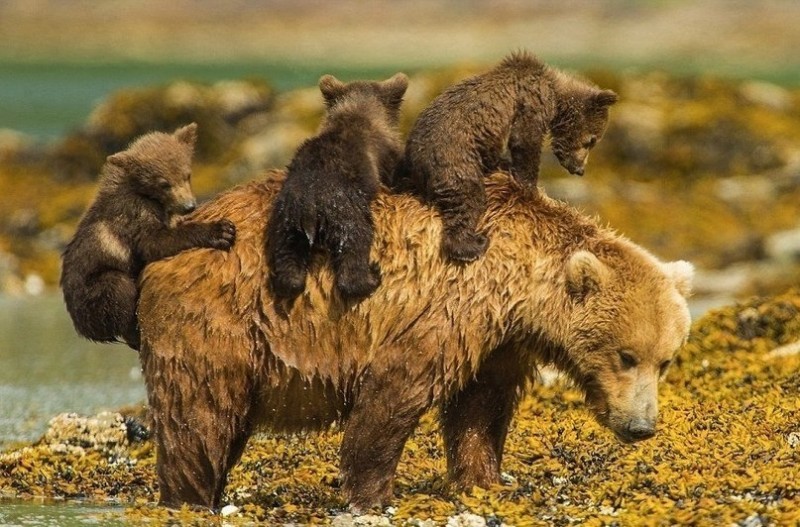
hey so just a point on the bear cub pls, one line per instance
(333, 178)
(469, 130)
(133, 220)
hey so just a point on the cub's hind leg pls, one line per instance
(104, 309)
(349, 241)
(289, 253)
(461, 199)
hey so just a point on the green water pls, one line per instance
(46, 369)
(58, 514)
(50, 99)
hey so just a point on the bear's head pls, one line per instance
(630, 317)
(383, 97)
(159, 167)
(580, 121)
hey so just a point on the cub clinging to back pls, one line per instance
(464, 133)
(331, 182)
(133, 221)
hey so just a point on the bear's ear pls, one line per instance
(605, 98)
(393, 89)
(585, 274)
(122, 160)
(331, 88)
(682, 275)
(187, 134)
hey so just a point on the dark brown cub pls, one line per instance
(331, 182)
(471, 128)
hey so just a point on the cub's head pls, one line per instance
(630, 317)
(580, 122)
(159, 166)
(386, 95)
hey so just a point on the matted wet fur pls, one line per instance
(133, 221)
(222, 357)
(331, 182)
(468, 130)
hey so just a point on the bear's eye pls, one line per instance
(589, 143)
(662, 369)
(162, 183)
(627, 360)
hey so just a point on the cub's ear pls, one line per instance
(585, 274)
(605, 98)
(122, 160)
(393, 89)
(331, 88)
(187, 134)
(682, 275)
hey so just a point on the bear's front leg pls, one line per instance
(383, 417)
(475, 421)
(525, 145)
(201, 414)
(166, 242)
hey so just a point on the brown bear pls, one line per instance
(331, 182)
(466, 131)
(221, 357)
(133, 221)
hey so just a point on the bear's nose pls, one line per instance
(639, 429)
(188, 207)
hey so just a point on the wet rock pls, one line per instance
(750, 324)
(766, 94)
(105, 432)
(14, 145)
(754, 520)
(783, 246)
(738, 189)
(23, 222)
(129, 113)
(466, 519)
(366, 520)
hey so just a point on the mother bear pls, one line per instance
(221, 357)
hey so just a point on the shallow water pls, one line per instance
(46, 369)
(57, 514)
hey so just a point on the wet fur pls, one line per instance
(332, 180)
(469, 130)
(129, 224)
(222, 357)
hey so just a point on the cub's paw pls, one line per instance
(465, 247)
(222, 234)
(359, 285)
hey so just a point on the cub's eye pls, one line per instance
(627, 360)
(162, 183)
(662, 369)
(589, 143)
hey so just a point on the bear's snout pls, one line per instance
(638, 429)
(187, 206)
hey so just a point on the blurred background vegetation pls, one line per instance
(701, 161)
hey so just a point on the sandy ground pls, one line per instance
(708, 34)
